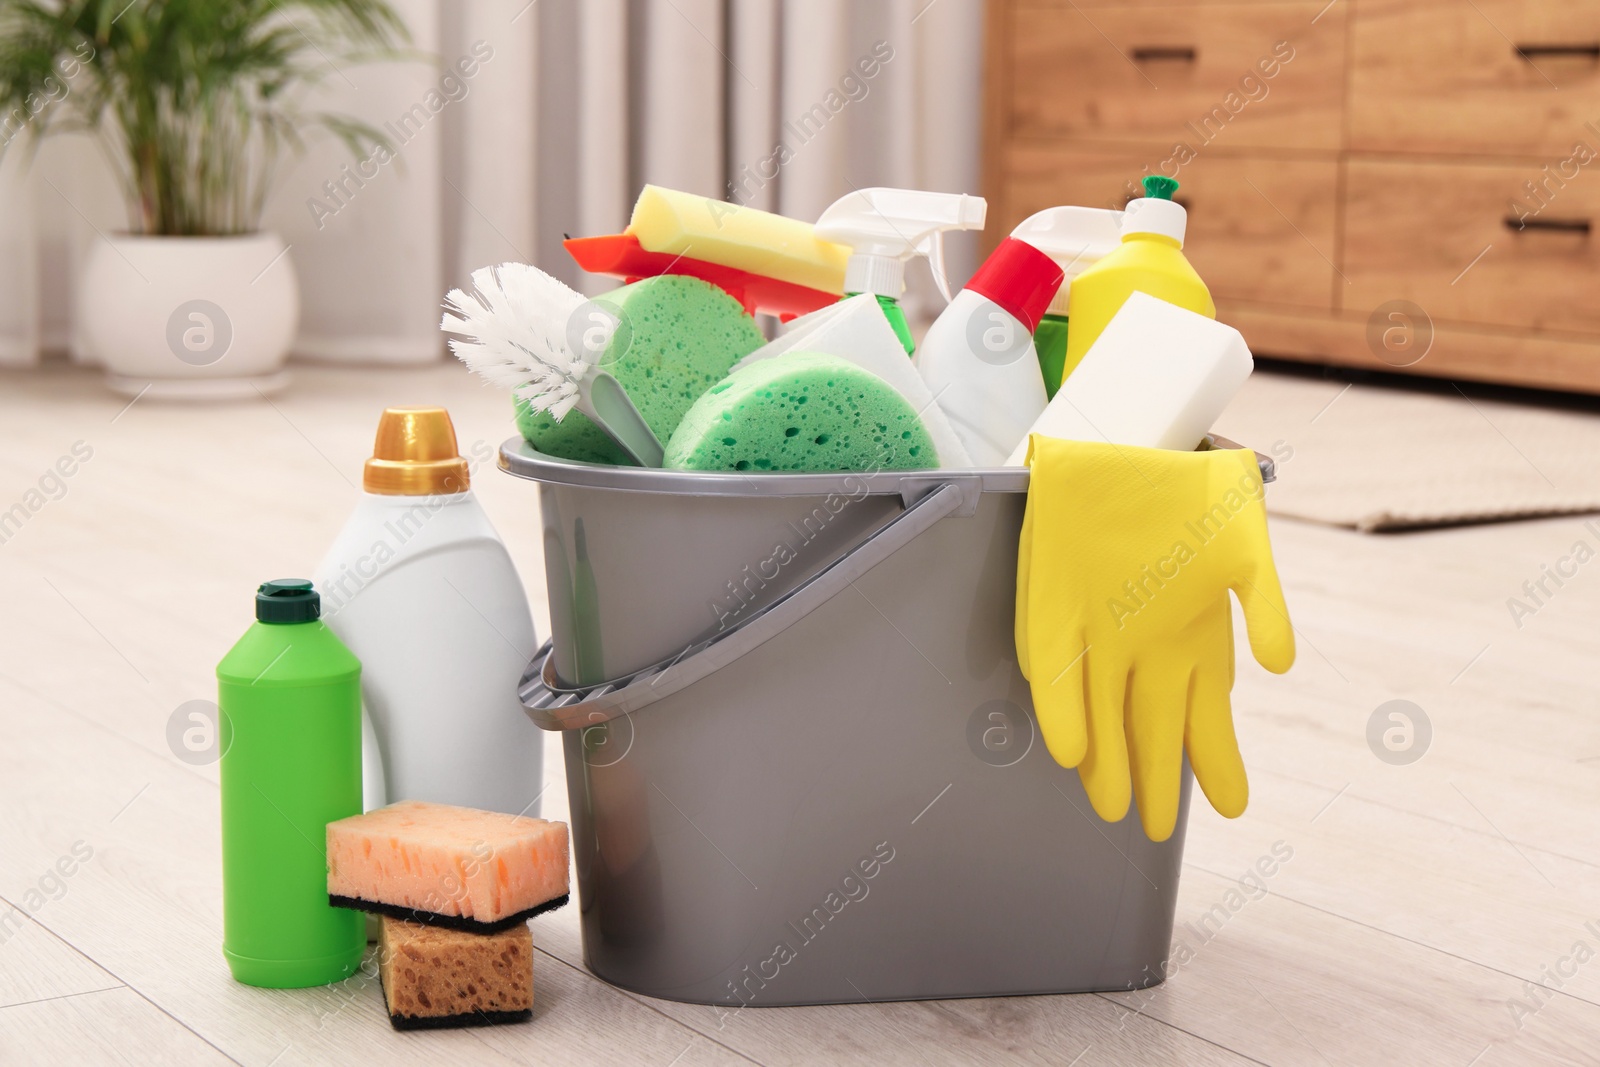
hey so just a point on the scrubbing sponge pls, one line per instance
(677, 338)
(803, 411)
(855, 330)
(435, 979)
(682, 224)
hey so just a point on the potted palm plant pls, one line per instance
(194, 104)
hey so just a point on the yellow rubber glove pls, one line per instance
(1123, 624)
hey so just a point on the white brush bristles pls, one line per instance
(517, 330)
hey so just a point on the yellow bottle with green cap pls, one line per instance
(1150, 260)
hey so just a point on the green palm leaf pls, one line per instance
(195, 101)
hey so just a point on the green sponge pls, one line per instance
(801, 411)
(678, 338)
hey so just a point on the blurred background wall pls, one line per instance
(569, 106)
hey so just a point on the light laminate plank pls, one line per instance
(1283, 983)
(112, 1026)
(34, 964)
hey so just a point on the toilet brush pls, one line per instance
(520, 327)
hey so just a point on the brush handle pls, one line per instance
(614, 412)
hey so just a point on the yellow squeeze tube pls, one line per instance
(745, 238)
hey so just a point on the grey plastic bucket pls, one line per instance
(802, 763)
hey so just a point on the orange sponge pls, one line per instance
(435, 978)
(479, 871)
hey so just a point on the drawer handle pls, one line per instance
(1152, 55)
(1529, 51)
(1552, 225)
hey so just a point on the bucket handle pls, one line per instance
(554, 706)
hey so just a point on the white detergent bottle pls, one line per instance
(419, 586)
(978, 356)
(885, 227)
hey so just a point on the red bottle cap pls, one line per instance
(1020, 278)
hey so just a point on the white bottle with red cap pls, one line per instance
(978, 356)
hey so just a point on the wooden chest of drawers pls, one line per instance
(1395, 184)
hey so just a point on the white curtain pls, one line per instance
(543, 118)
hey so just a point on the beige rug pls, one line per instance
(1387, 458)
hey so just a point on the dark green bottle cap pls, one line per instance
(288, 600)
(1159, 186)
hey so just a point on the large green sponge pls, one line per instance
(678, 337)
(802, 411)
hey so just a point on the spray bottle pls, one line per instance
(1149, 260)
(978, 357)
(885, 227)
(1076, 238)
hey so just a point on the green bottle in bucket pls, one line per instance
(289, 694)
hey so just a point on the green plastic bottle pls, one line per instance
(290, 700)
(897, 319)
(1050, 339)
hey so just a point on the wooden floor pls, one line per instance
(1419, 902)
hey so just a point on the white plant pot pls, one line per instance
(189, 317)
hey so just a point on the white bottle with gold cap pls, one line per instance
(419, 586)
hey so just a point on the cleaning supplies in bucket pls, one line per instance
(978, 357)
(802, 411)
(289, 707)
(980, 383)
(855, 329)
(885, 227)
(1076, 238)
(1123, 627)
(420, 587)
(1158, 377)
(1149, 259)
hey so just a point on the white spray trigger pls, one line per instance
(934, 250)
(884, 227)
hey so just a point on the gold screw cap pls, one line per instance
(415, 454)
